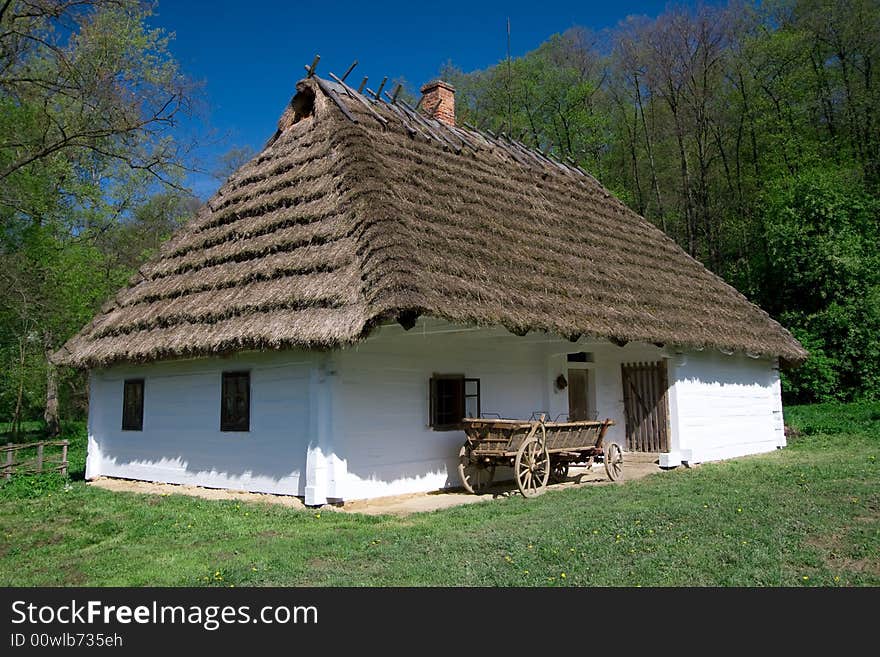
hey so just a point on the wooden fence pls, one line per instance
(40, 463)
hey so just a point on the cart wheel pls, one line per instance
(559, 472)
(614, 462)
(474, 476)
(532, 467)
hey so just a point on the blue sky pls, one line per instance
(249, 55)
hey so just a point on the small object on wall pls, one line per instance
(561, 383)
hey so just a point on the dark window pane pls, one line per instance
(235, 402)
(452, 398)
(133, 405)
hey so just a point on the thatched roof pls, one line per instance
(358, 211)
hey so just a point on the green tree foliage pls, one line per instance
(89, 177)
(823, 278)
(749, 133)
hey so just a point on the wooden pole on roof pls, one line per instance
(404, 119)
(378, 94)
(331, 93)
(381, 119)
(421, 120)
(349, 70)
(311, 69)
(363, 84)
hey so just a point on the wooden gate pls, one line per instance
(646, 406)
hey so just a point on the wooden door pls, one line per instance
(646, 406)
(578, 407)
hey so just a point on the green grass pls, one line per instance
(808, 515)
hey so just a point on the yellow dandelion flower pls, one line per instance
(562, 575)
(806, 578)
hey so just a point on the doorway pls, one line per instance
(646, 406)
(581, 387)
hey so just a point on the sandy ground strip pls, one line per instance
(636, 466)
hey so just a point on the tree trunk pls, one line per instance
(16, 417)
(50, 415)
(650, 149)
(632, 133)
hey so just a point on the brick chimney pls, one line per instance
(438, 101)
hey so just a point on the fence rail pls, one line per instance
(36, 465)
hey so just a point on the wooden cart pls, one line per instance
(539, 452)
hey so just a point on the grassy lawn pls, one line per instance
(808, 515)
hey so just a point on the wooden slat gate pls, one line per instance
(646, 406)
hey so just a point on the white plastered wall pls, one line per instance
(382, 443)
(181, 441)
(354, 423)
(723, 406)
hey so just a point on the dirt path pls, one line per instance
(636, 466)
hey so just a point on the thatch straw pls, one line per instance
(337, 225)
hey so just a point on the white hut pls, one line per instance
(322, 325)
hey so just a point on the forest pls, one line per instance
(748, 132)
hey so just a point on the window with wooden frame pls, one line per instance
(235, 402)
(133, 405)
(453, 397)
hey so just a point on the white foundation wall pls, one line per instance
(181, 441)
(381, 442)
(723, 406)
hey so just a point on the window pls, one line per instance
(581, 357)
(133, 405)
(453, 397)
(235, 402)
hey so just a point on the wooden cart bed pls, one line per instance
(538, 451)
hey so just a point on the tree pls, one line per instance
(230, 161)
(83, 78)
(89, 101)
